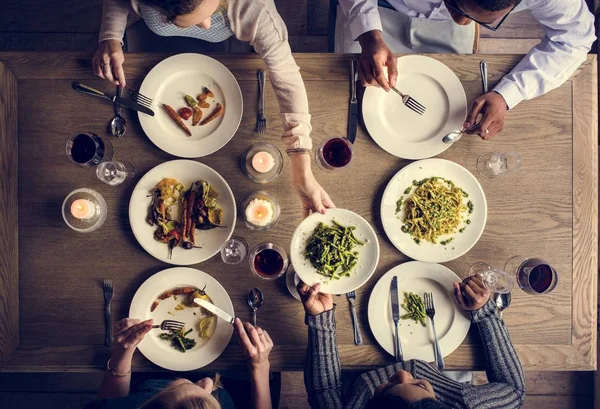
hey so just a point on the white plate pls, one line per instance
(368, 254)
(404, 133)
(186, 172)
(168, 82)
(426, 251)
(451, 322)
(160, 351)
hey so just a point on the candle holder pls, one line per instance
(264, 149)
(85, 225)
(255, 199)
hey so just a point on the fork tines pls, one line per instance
(139, 98)
(108, 290)
(351, 295)
(172, 325)
(429, 307)
(415, 105)
(261, 125)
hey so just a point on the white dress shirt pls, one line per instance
(568, 25)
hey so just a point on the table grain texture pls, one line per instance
(51, 305)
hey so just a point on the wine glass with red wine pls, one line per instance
(334, 153)
(534, 275)
(88, 150)
(268, 261)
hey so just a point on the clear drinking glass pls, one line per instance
(334, 153)
(114, 173)
(534, 275)
(493, 279)
(235, 250)
(88, 149)
(493, 164)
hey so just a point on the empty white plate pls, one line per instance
(401, 131)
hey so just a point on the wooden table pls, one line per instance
(50, 284)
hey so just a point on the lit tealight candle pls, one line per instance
(83, 209)
(263, 162)
(259, 212)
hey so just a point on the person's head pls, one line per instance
(489, 12)
(183, 394)
(405, 392)
(187, 13)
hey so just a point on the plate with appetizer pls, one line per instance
(198, 105)
(403, 132)
(434, 210)
(169, 295)
(181, 212)
(338, 249)
(415, 278)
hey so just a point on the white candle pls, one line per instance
(259, 212)
(263, 162)
(83, 209)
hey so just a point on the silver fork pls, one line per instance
(170, 325)
(108, 296)
(430, 311)
(411, 103)
(139, 98)
(261, 120)
(351, 296)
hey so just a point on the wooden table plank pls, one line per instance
(532, 212)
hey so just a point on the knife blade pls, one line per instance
(353, 105)
(214, 309)
(132, 105)
(396, 317)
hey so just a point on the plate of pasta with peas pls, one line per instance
(434, 210)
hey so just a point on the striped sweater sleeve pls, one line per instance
(506, 387)
(322, 372)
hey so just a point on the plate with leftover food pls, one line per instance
(181, 212)
(168, 295)
(198, 105)
(401, 131)
(338, 249)
(434, 210)
(415, 278)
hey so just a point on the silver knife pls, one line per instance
(85, 89)
(214, 309)
(353, 107)
(484, 76)
(396, 317)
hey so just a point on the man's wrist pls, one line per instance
(370, 36)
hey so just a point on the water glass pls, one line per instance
(114, 173)
(493, 279)
(235, 250)
(495, 164)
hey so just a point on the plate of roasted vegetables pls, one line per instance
(169, 295)
(198, 105)
(338, 249)
(181, 212)
(416, 278)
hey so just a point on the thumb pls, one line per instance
(317, 203)
(392, 69)
(477, 106)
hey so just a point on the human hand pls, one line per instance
(314, 302)
(374, 56)
(129, 332)
(492, 107)
(471, 294)
(257, 345)
(108, 62)
(312, 195)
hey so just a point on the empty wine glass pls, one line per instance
(493, 279)
(235, 250)
(493, 164)
(114, 173)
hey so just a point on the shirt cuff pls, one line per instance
(509, 92)
(365, 22)
(489, 310)
(323, 321)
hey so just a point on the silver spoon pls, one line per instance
(117, 125)
(255, 300)
(457, 134)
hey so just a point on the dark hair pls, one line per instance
(396, 402)
(496, 5)
(173, 8)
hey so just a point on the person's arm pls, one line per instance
(108, 59)
(362, 15)
(128, 334)
(257, 345)
(506, 387)
(114, 20)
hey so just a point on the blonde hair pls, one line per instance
(164, 400)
